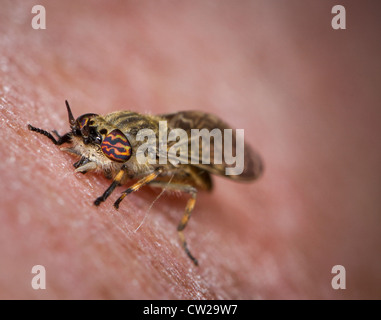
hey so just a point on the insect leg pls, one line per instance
(118, 178)
(61, 139)
(90, 166)
(137, 186)
(81, 162)
(188, 210)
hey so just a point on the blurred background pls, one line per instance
(306, 95)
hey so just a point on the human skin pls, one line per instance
(306, 95)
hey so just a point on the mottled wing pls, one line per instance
(188, 120)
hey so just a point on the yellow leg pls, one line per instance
(183, 223)
(118, 178)
(187, 214)
(137, 186)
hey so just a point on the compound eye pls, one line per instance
(116, 146)
(84, 119)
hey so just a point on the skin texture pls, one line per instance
(307, 96)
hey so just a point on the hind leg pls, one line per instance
(188, 210)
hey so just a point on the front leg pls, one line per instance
(61, 139)
(118, 178)
(84, 165)
(81, 162)
(89, 166)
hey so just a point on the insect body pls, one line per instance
(111, 144)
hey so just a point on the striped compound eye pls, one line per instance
(116, 146)
(84, 119)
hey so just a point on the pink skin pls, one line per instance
(306, 95)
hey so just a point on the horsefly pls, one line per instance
(127, 145)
